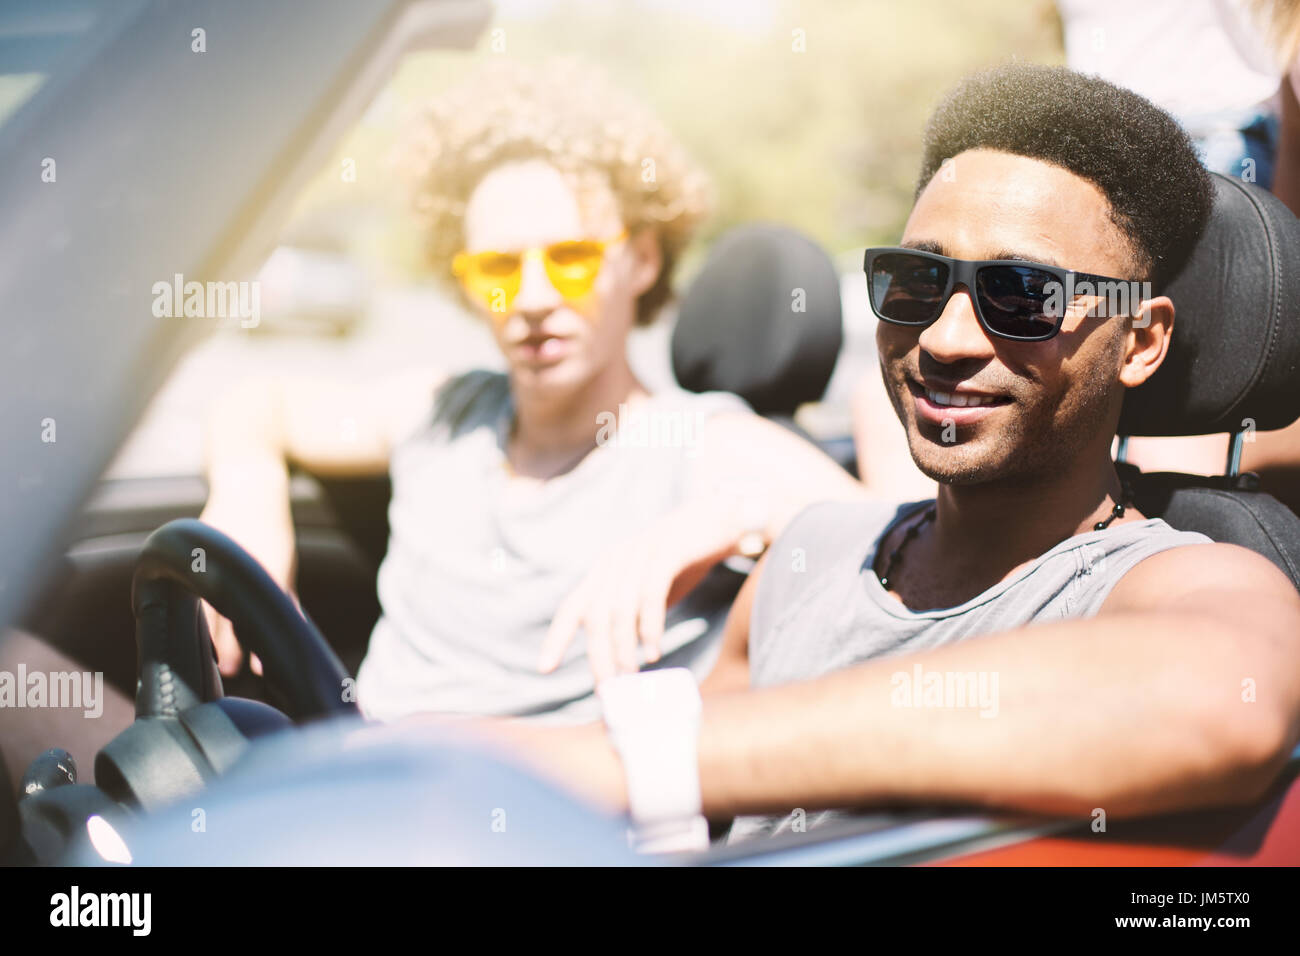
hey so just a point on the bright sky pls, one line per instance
(749, 15)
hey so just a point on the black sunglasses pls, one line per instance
(1014, 299)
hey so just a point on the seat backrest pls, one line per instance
(763, 321)
(1233, 365)
(1223, 508)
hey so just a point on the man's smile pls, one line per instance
(941, 402)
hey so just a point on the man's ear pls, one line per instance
(647, 259)
(1147, 343)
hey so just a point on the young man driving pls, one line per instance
(1112, 654)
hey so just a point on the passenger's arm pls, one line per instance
(750, 476)
(1286, 176)
(761, 473)
(731, 671)
(261, 425)
(885, 464)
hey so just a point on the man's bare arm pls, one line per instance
(1137, 710)
(257, 428)
(261, 425)
(731, 672)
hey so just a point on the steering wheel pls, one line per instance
(186, 731)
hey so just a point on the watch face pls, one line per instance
(751, 545)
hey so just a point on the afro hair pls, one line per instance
(1134, 152)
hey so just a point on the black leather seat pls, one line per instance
(1233, 366)
(763, 320)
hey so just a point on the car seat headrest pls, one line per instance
(762, 320)
(1234, 358)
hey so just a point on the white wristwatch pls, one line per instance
(653, 720)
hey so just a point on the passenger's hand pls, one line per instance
(230, 655)
(268, 542)
(622, 603)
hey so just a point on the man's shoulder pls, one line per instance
(1194, 564)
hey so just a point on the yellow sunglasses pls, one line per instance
(494, 278)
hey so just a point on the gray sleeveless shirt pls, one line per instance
(476, 568)
(820, 607)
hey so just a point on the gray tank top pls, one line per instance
(475, 570)
(821, 608)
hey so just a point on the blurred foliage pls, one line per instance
(826, 139)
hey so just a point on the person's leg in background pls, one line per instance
(1286, 177)
(1276, 455)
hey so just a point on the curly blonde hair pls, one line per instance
(568, 115)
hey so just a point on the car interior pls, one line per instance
(1232, 367)
(342, 523)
